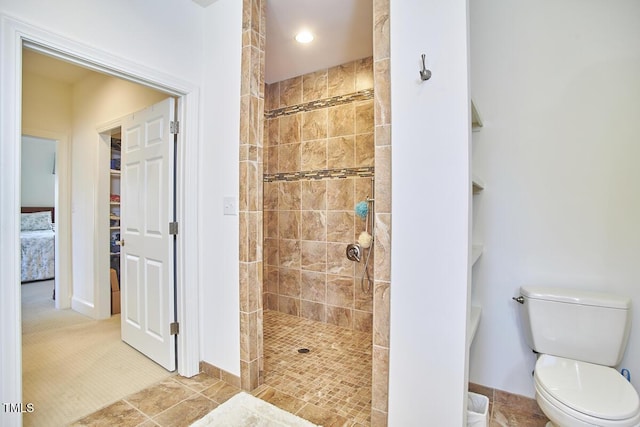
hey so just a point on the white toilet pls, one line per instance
(579, 336)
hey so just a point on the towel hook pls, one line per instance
(424, 73)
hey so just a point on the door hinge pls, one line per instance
(173, 228)
(174, 127)
(174, 328)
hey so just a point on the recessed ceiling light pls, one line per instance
(304, 37)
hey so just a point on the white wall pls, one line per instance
(558, 87)
(164, 35)
(430, 226)
(219, 177)
(38, 180)
(96, 100)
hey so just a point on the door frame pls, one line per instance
(62, 205)
(14, 35)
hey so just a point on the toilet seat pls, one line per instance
(592, 394)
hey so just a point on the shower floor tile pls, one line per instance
(335, 373)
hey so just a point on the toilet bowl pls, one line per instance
(574, 394)
(579, 337)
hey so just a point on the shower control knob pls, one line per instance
(354, 252)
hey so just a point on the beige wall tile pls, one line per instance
(313, 225)
(383, 135)
(381, 310)
(271, 252)
(382, 93)
(313, 256)
(365, 150)
(315, 86)
(340, 291)
(243, 199)
(244, 119)
(256, 116)
(341, 120)
(341, 152)
(291, 92)
(383, 178)
(289, 305)
(380, 379)
(270, 224)
(313, 155)
(382, 245)
(342, 79)
(363, 190)
(243, 236)
(364, 74)
(255, 81)
(271, 301)
(289, 284)
(313, 286)
(381, 40)
(289, 253)
(289, 195)
(254, 233)
(290, 128)
(272, 96)
(289, 225)
(314, 195)
(364, 117)
(337, 261)
(271, 279)
(244, 336)
(271, 160)
(245, 78)
(364, 291)
(289, 157)
(254, 191)
(378, 418)
(244, 286)
(362, 321)
(272, 137)
(340, 194)
(340, 316)
(312, 310)
(314, 124)
(270, 199)
(340, 226)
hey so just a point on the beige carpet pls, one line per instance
(244, 410)
(73, 365)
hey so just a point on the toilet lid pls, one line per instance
(595, 390)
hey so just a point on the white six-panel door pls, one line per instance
(146, 261)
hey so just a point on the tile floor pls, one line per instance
(330, 385)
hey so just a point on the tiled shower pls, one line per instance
(254, 167)
(318, 164)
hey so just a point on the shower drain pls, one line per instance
(303, 350)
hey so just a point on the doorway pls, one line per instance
(17, 35)
(112, 359)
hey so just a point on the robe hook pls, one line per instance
(424, 73)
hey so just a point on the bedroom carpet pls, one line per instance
(73, 365)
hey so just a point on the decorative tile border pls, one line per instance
(362, 95)
(364, 172)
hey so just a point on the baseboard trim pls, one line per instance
(220, 374)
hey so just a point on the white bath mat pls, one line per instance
(244, 410)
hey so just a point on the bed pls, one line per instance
(37, 244)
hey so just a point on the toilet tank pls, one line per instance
(581, 325)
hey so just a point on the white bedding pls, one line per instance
(37, 255)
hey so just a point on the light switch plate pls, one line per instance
(230, 205)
